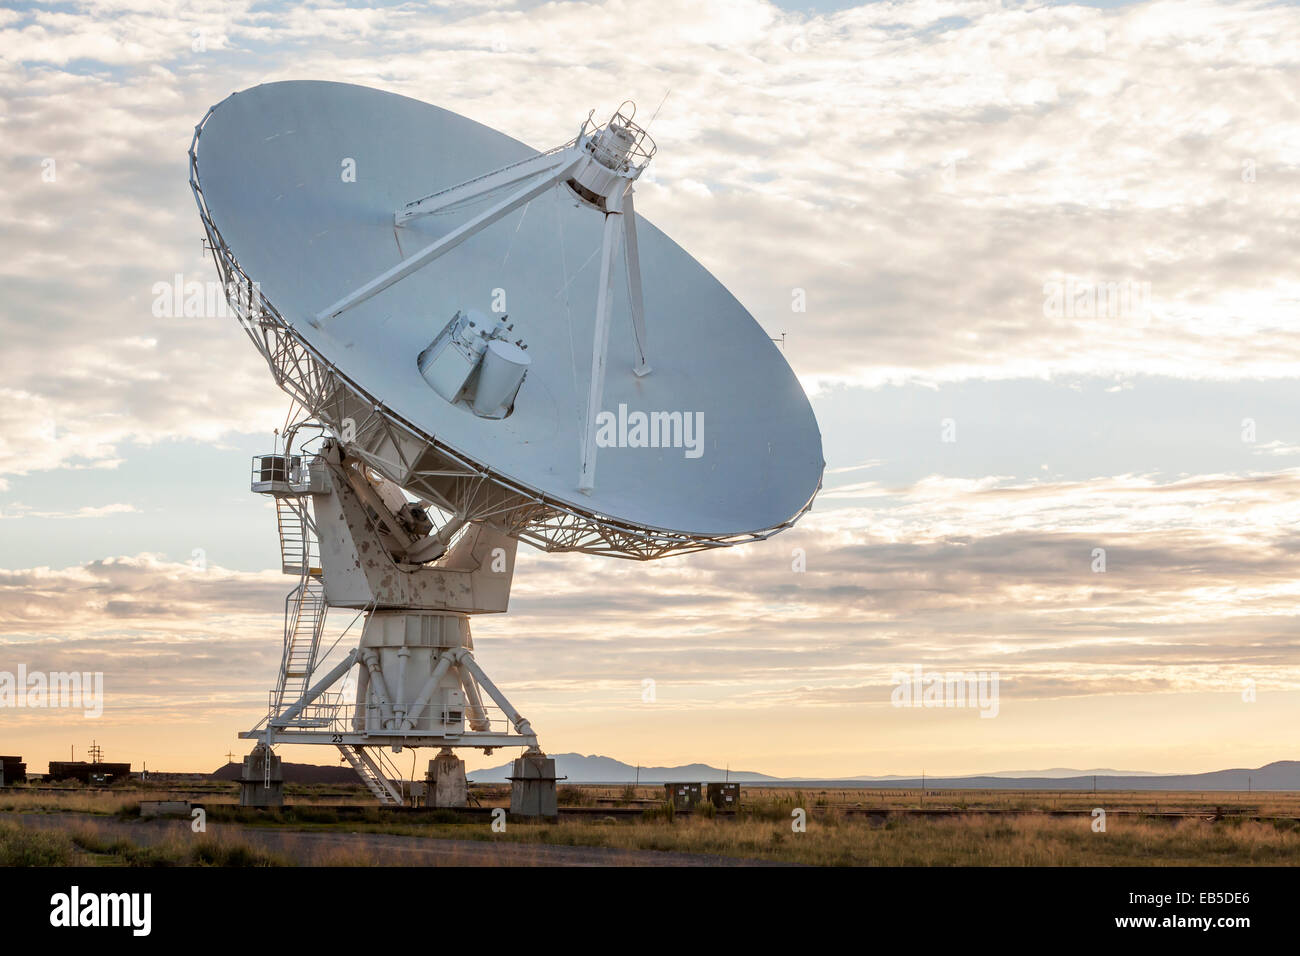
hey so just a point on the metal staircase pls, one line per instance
(297, 544)
(284, 478)
(304, 621)
(371, 775)
(304, 607)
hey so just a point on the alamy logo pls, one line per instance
(651, 430)
(133, 910)
(38, 691)
(1076, 298)
(202, 300)
(978, 689)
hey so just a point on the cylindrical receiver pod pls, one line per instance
(500, 375)
(451, 358)
(613, 144)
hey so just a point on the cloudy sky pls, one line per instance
(948, 182)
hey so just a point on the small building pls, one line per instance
(683, 796)
(724, 796)
(89, 773)
(12, 770)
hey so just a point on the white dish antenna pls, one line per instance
(632, 407)
(495, 332)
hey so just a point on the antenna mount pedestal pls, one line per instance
(417, 683)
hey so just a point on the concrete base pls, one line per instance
(254, 791)
(164, 808)
(532, 786)
(446, 780)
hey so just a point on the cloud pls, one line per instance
(1198, 581)
(919, 170)
(18, 510)
(931, 176)
(1196, 596)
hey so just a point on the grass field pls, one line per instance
(954, 841)
(842, 828)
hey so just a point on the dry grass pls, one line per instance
(23, 847)
(1266, 803)
(762, 830)
(322, 797)
(834, 840)
(88, 844)
(73, 801)
(977, 840)
(73, 798)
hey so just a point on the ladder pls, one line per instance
(369, 772)
(304, 621)
(297, 544)
(304, 607)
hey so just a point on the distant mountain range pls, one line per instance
(1056, 772)
(597, 769)
(577, 768)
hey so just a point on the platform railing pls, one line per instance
(331, 713)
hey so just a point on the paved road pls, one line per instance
(323, 847)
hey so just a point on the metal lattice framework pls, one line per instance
(418, 462)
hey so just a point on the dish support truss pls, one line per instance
(417, 681)
(421, 463)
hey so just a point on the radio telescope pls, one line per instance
(483, 344)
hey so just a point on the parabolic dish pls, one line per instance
(269, 170)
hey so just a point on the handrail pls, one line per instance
(333, 714)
